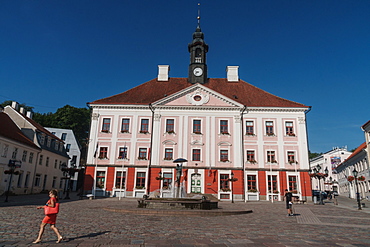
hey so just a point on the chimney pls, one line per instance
(163, 72)
(21, 110)
(232, 73)
(29, 114)
(15, 105)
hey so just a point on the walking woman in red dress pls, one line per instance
(50, 218)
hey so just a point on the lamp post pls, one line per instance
(68, 173)
(232, 180)
(355, 173)
(315, 172)
(13, 164)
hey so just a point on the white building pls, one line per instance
(328, 161)
(40, 161)
(358, 161)
(73, 150)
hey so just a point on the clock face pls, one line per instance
(198, 72)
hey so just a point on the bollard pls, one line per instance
(315, 200)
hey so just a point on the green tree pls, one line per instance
(313, 155)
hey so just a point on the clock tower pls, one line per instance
(198, 49)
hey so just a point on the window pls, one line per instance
(140, 180)
(289, 129)
(122, 154)
(120, 179)
(30, 159)
(5, 151)
(197, 127)
(224, 127)
(64, 136)
(291, 158)
(269, 128)
(37, 180)
(100, 179)
(168, 154)
(26, 180)
(250, 156)
(144, 127)
(224, 155)
(249, 128)
(20, 178)
(14, 154)
(167, 180)
(252, 183)
(40, 160)
(47, 161)
(73, 160)
(54, 182)
(48, 142)
(106, 125)
(272, 182)
(125, 125)
(292, 183)
(24, 156)
(68, 147)
(271, 157)
(142, 153)
(56, 145)
(55, 164)
(42, 139)
(170, 126)
(196, 154)
(224, 182)
(103, 153)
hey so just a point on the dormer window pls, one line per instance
(42, 139)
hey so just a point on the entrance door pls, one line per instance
(196, 184)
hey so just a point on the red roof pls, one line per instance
(11, 131)
(359, 149)
(241, 91)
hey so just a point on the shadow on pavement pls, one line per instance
(91, 235)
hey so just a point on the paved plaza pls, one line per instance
(113, 222)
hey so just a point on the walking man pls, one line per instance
(288, 200)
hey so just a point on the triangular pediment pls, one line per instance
(197, 95)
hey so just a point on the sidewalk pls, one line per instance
(93, 223)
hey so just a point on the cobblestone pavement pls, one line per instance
(93, 223)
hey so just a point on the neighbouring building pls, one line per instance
(328, 161)
(73, 150)
(225, 128)
(359, 161)
(37, 153)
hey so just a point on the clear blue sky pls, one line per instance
(315, 52)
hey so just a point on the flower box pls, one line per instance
(225, 190)
(253, 190)
(139, 187)
(105, 131)
(350, 178)
(361, 178)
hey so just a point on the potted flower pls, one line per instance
(350, 178)
(225, 189)
(105, 131)
(291, 134)
(252, 161)
(294, 192)
(361, 178)
(139, 187)
(171, 132)
(253, 190)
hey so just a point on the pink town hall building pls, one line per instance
(236, 141)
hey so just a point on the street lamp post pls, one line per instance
(315, 172)
(68, 173)
(13, 164)
(232, 180)
(355, 173)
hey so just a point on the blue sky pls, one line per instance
(314, 52)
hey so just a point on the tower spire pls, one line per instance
(198, 49)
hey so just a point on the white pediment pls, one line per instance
(197, 95)
(169, 142)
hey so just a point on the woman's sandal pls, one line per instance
(36, 241)
(59, 240)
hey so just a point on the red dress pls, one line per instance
(51, 218)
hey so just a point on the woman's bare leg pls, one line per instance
(57, 233)
(42, 228)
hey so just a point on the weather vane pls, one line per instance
(198, 14)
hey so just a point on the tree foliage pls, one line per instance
(313, 155)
